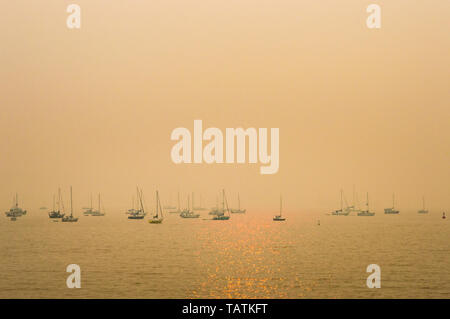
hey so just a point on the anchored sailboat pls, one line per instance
(215, 210)
(178, 209)
(280, 218)
(187, 213)
(170, 206)
(353, 208)
(341, 211)
(391, 210)
(423, 210)
(57, 213)
(89, 210)
(220, 214)
(138, 213)
(70, 219)
(158, 217)
(197, 207)
(239, 210)
(15, 211)
(99, 211)
(366, 212)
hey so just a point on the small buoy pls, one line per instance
(318, 222)
(443, 215)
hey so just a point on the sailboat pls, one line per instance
(220, 214)
(178, 209)
(187, 213)
(391, 210)
(56, 213)
(138, 213)
(239, 210)
(89, 210)
(215, 210)
(366, 212)
(279, 218)
(341, 211)
(170, 206)
(197, 207)
(158, 217)
(70, 219)
(131, 210)
(98, 212)
(351, 209)
(423, 210)
(15, 211)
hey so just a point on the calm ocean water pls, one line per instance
(249, 256)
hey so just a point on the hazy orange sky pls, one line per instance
(95, 107)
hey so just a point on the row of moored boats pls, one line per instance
(346, 209)
(138, 210)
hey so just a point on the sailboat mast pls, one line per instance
(160, 208)
(226, 203)
(367, 201)
(423, 200)
(157, 203)
(140, 199)
(71, 204)
(17, 200)
(354, 197)
(342, 203)
(281, 204)
(393, 200)
(99, 202)
(59, 199)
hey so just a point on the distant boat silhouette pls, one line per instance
(239, 210)
(99, 211)
(56, 213)
(137, 213)
(341, 212)
(220, 214)
(366, 212)
(279, 218)
(70, 219)
(215, 210)
(197, 207)
(176, 210)
(423, 210)
(392, 210)
(16, 211)
(170, 206)
(188, 213)
(158, 217)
